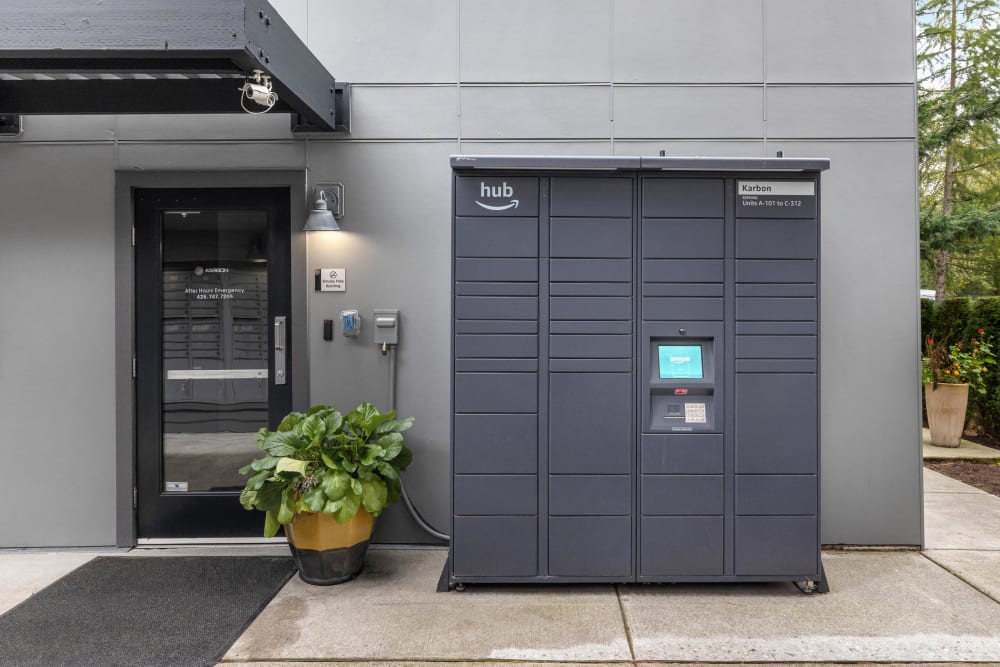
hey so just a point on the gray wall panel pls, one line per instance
(646, 51)
(368, 42)
(840, 111)
(161, 156)
(403, 112)
(707, 148)
(869, 194)
(535, 112)
(296, 15)
(523, 40)
(644, 112)
(408, 231)
(399, 198)
(579, 147)
(815, 41)
(185, 127)
(68, 128)
(57, 265)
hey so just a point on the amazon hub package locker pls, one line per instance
(635, 391)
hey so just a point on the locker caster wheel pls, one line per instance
(807, 586)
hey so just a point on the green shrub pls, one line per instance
(952, 320)
(926, 319)
(986, 315)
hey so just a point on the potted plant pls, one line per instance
(949, 372)
(325, 477)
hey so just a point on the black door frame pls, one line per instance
(196, 515)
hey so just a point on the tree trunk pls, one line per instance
(940, 275)
(947, 205)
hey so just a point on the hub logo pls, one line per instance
(502, 191)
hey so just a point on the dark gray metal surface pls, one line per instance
(156, 38)
(593, 461)
(625, 163)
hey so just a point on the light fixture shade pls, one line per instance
(320, 219)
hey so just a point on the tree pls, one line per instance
(959, 114)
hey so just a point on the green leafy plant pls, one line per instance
(323, 461)
(960, 363)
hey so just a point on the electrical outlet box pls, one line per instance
(386, 329)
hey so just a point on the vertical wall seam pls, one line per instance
(918, 458)
(611, 75)
(763, 43)
(458, 73)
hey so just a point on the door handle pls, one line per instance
(280, 349)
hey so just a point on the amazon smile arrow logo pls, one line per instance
(496, 192)
(513, 204)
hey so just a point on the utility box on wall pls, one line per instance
(636, 360)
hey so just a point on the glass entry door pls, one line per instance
(212, 350)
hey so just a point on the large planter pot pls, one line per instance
(325, 551)
(946, 412)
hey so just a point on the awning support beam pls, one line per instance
(228, 38)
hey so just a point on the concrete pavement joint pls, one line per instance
(628, 630)
(493, 661)
(958, 576)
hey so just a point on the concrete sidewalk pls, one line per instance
(966, 451)
(885, 606)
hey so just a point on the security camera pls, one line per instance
(258, 89)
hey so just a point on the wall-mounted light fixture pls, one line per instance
(327, 209)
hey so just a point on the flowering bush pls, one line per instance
(961, 363)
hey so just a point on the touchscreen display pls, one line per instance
(680, 362)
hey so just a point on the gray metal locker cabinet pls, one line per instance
(635, 370)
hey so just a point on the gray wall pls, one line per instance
(718, 77)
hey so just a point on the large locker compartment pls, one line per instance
(635, 370)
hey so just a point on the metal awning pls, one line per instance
(159, 56)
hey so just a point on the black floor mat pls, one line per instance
(141, 611)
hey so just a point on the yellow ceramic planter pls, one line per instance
(327, 552)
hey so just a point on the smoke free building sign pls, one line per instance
(775, 199)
